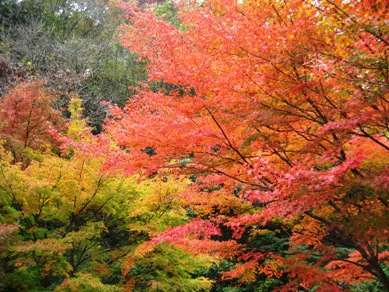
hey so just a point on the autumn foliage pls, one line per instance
(66, 223)
(277, 110)
(28, 120)
(255, 158)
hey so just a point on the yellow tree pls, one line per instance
(72, 223)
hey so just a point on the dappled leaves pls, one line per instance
(280, 111)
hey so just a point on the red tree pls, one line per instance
(27, 117)
(281, 111)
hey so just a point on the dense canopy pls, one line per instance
(255, 157)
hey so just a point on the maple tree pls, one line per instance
(255, 156)
(66, 223)
(277, 109)
(27, 119)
